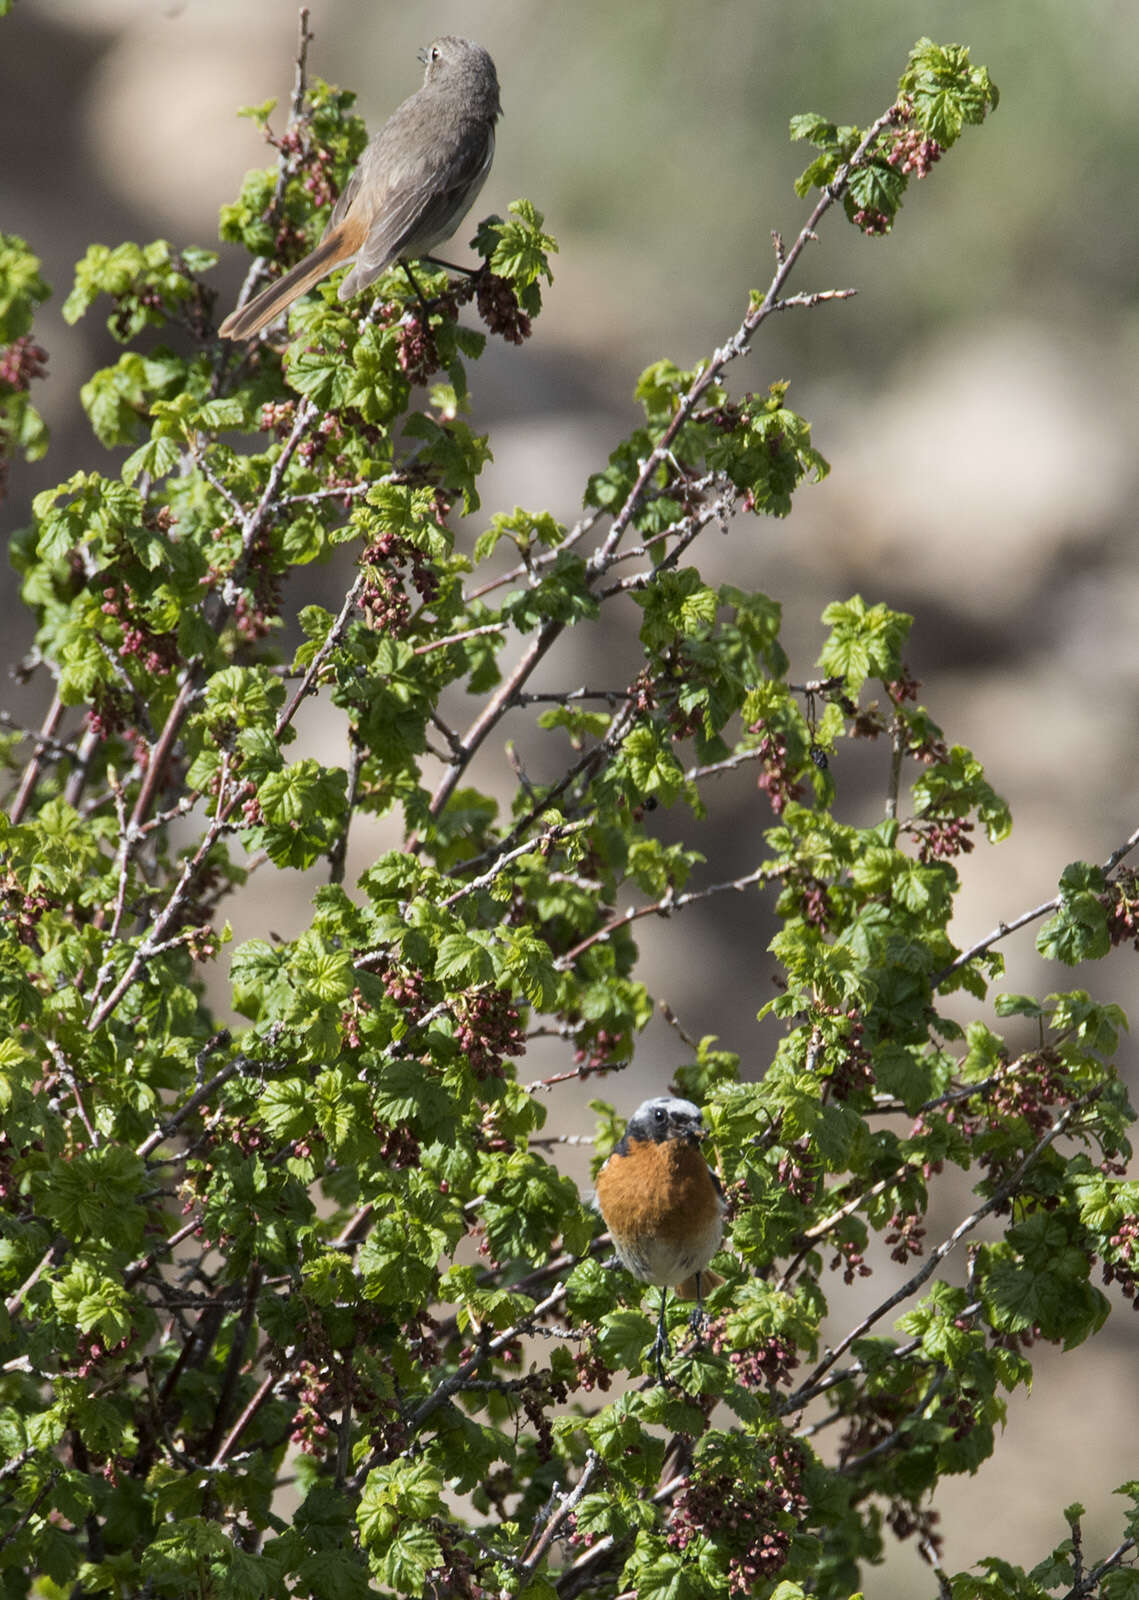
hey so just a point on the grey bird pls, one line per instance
(413, 185)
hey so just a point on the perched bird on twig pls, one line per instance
(413, 185)
(663, 1205)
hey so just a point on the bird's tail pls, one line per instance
(335, 247)
(698, 1285)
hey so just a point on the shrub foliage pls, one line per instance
(304, 1305)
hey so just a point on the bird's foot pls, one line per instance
(661, 1351)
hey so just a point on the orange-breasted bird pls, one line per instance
(663, 1204)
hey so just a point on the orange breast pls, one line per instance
(662, 1208)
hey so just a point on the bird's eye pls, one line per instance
(435, 52)
(660, 1115)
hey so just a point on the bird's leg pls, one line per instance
(696, 1320)
(660, 1344)
(424, 303)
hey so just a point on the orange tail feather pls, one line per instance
(334, 248)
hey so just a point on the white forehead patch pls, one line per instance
(663, 1115)
(671, 1105)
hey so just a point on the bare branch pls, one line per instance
(665, 906)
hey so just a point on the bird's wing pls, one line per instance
(417, 213)
(347, 195)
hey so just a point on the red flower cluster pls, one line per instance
(748, 1518)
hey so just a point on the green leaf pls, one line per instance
(1078, 932)
(947, 91)
(156, 458)
(21, 288)
(94, 1194)
(403, 1490)
(865, 642)
(464, 959)
(675, 604)
(454, 450)
(519, 250)
(653, 768)
(955, 787)
(1039, 1278)
(903, 1073)
(524, 529)
(814, 128)
(1018, 1005)
(93, 1302)
(767, 452)
(412, 1554)
(303, 806)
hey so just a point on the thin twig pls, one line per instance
(897, 753)
(534, 563)
(345, 491)
(55, 747)
(603, 557)
(730, 764)
(493, 712)
(338, 853)
(664, 907)
(452, 1385)
(259, 266)
(797, 1401)
(567, 1504)
(143, 1265)
(1003, 929)
(896, 1435)
(154, 942)
(32, 770)
(1114, 1560)
(160, 754)
(929, 1266)
(544, 841)
(124, 855)
(458, 638)
(736, 346)
(41, 1495)
(16, 1299)
(351, 599)
(254, 519)
(260, 1395)
(199, 1098)
(235, 1361)
(65, 1071)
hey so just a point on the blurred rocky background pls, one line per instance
(977, 401)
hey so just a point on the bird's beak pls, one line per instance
(421, 55)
